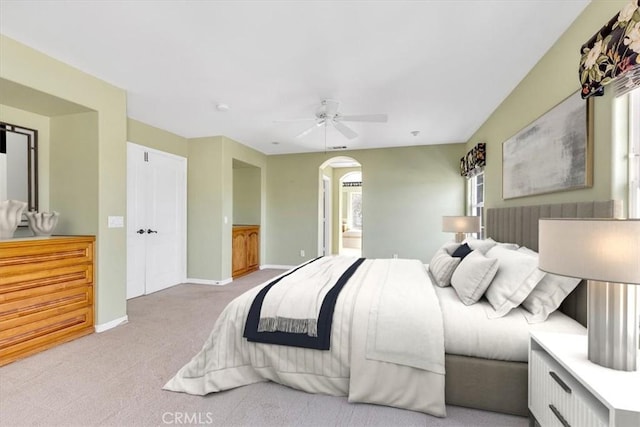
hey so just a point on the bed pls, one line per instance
(499, 385)
(365, 312)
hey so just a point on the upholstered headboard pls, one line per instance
(520, 225)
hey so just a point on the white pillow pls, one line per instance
(480, 245)
(473, 276)
(512, 246)
(547, 296)
(442, 266)
(517, 276)
(526, 250)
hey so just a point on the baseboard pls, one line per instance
(277, 267)
(210, 282)
(110, 325)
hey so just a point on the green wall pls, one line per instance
(246, 194)
(406, 191)
(36, 83)
(204, 209)
(210, 204)
(74, 173)
(554, 78)
(152, 137)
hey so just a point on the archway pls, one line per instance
(340, 213)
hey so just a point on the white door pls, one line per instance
(156, 226)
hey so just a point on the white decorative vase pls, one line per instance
(42, 223)
(10, 215)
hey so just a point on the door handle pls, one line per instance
(151, 231)
(141, 231)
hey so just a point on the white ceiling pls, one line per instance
(440, 67)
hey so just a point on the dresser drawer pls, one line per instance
(44, 333)
(19, 257)
(44, 302)
(557, 399)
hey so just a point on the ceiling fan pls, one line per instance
(327, 113)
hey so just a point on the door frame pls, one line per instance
(326, 217)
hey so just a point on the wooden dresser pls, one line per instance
(46, 293)
(245, 249)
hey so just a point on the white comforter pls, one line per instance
(468, 331)
(387, 345)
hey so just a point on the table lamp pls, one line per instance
(606, 252)
(461, 225)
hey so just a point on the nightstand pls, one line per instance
(566, 389)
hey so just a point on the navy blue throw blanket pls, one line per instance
(323, 339)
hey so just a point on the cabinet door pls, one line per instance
(239, 252)
(253, 248)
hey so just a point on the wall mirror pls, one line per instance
(19, 165)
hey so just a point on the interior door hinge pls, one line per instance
(146, 156)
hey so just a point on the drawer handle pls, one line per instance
(559, 416)
(561, 383)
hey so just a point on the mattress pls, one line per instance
(469, 332)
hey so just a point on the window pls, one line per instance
(475, 199)
(634, 153)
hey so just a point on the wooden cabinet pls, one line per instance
(46, 293)
(245, 249)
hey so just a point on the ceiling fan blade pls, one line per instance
(330, 107)
(345, 130)
(309, 130)
(380, 118)
(308, 119)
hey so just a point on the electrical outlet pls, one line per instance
(302, 252)
(395, 256)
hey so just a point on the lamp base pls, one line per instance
(613, 325)
(460, 237)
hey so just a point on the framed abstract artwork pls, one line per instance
(554, 153)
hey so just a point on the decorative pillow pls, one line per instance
(450, 247)
(473, 276)
(547, 296)
(442, 266)
(462, 251)
(514, 281)
(480, 245)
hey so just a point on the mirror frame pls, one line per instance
(32, 160)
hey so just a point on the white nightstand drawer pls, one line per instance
(557, 399)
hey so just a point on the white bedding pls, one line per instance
(469, 332)
(365, 371)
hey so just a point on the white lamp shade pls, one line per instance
(461, 224)
(605, 250)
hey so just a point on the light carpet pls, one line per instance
(115, 378)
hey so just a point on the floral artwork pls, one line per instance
(612, 52)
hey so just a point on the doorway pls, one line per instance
(351, 214)
(340, 210)
(156, 220)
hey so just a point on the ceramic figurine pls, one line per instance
(10, 215)
(42, 223)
